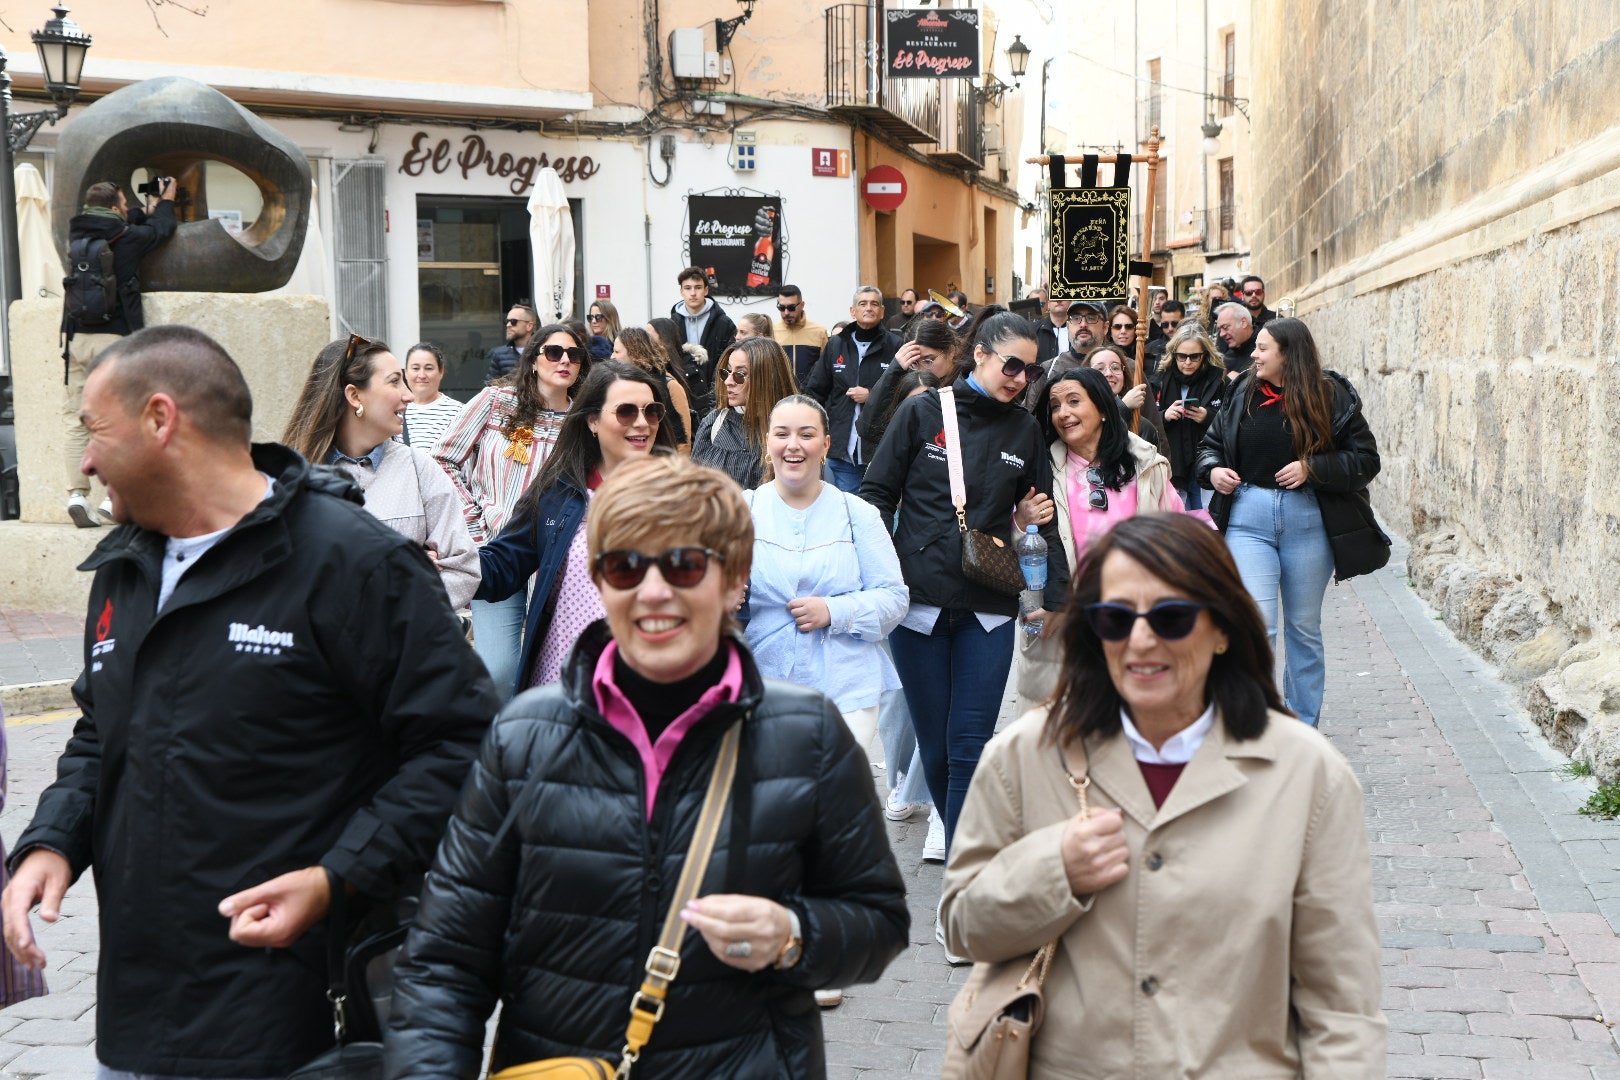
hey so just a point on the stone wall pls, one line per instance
(1440, 189)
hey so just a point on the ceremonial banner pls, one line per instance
(1090, 243)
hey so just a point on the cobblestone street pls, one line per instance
(1497, 900)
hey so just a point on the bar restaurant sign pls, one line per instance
(925, 43)
(472, 157)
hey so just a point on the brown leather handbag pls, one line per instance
(664, 961)
(986, 560)
(993, 1021)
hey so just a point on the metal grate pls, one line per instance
(360, 246)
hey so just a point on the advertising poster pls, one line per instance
(1090, 244)
(736, 240)
(924, 43)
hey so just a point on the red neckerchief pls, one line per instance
(1269, 395)
(594, 481)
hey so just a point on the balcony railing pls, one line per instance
(945, 112)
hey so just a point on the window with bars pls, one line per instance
(1229, 73)
(1228, 204)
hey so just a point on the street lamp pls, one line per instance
(62, 47)
(1018, 59)
(1212, 136)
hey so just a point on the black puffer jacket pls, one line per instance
(1181, 437)
(555, 922)
(1003, 456)
(1338, 478)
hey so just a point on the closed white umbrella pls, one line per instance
(551, 238)
(309, 276)
(41, 263)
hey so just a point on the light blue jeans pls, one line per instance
(1281, 549)
(498, 638)
(900, 751)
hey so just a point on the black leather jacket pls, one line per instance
(555, 921)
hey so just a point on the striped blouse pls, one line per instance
(426, 424)
(485, 466)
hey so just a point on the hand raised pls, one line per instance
(1094, 851)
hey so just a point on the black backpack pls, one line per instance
(90, 290)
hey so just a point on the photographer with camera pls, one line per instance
(107, 240)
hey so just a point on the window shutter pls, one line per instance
(360, 247)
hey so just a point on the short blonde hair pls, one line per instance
(667, 501)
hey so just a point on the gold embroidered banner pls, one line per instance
(1089, 256)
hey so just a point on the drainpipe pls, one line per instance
(646, 221)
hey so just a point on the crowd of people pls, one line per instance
(708, 565)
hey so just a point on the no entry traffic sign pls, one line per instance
(884, 187)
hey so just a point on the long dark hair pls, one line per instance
(934, 334)
(975, 333)
(1190, 558)
(1307, 396)
(577, 451)
(903, 387)
(670, 337)
(321, 404)
(1115, 462)
(529, 402)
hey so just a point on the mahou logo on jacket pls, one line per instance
(256, 639)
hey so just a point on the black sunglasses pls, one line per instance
(1097, 498)
(1012, 367)
(1199, 355)
(515, 322)
(626, 414)
(1170, 620)
(355, 342)
(682, 567)
(555, 353)
(741, 374)
(597, 318)
(787, 307)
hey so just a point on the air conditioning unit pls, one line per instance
(992, 138)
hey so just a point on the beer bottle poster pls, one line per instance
(1090, 243)
(737, 241)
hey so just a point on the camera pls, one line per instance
(153, 186)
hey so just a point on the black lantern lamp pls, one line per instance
(1018, 59)
(62, 47)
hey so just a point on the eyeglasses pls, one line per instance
(1199, 355)
(1170, 323)
(740, 373)
(1124, 326)
(786, 308)
(907, 303)
(555, 353)
(520, 322)
(928, 361)
(1012, 367)
(597, 318)
(935, 313)
(1097, 497)
(1170, 620)
(682, 567)
(355, 342)
(1254, 292)
(1088, 316)
(626, 414)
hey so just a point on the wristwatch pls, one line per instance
(795, 944)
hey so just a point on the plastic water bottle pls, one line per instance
(1032, 561)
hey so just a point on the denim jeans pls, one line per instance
(954, 680)
(900, 751)
(498, 638)
(1281, 549)
(1192, 496)
(844, 475)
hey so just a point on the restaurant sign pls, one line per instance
(925, 43)
(474, 158)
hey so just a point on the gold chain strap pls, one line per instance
(1042, 963)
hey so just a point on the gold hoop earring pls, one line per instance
(359, 412)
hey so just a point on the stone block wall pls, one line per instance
(1440, 189)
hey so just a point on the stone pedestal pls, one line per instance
(273, 338)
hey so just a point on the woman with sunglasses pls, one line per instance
(616, 418)
(493, 451)
(602, 319)
(754, 374)
(351, 414)
(1188, 387)
(954, 648)
(636, 346)
(1290, 456)
(1199, 858)
(1122, 327)
(928, 347)
(564, 856)
(1115, 363)
(1101, 475)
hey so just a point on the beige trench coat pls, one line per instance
(1038, 661)
(1240, 946)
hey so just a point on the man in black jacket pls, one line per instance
(843, 378)
(131, 232)
(1234, 325)
(1052, 332)
(1253, 294)
(701, 320)
(521, 323)
(277, 703)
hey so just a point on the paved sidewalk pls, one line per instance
(1498, 902)
(36, 648)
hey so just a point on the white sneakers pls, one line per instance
(827, 999)
(934, 846)
(894, 809)
(939, 936)
(78, 508)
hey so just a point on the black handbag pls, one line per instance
(987, 561)
(362, 985)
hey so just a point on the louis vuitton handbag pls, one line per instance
(664, 960)
(986, 559)
(993, 1021)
